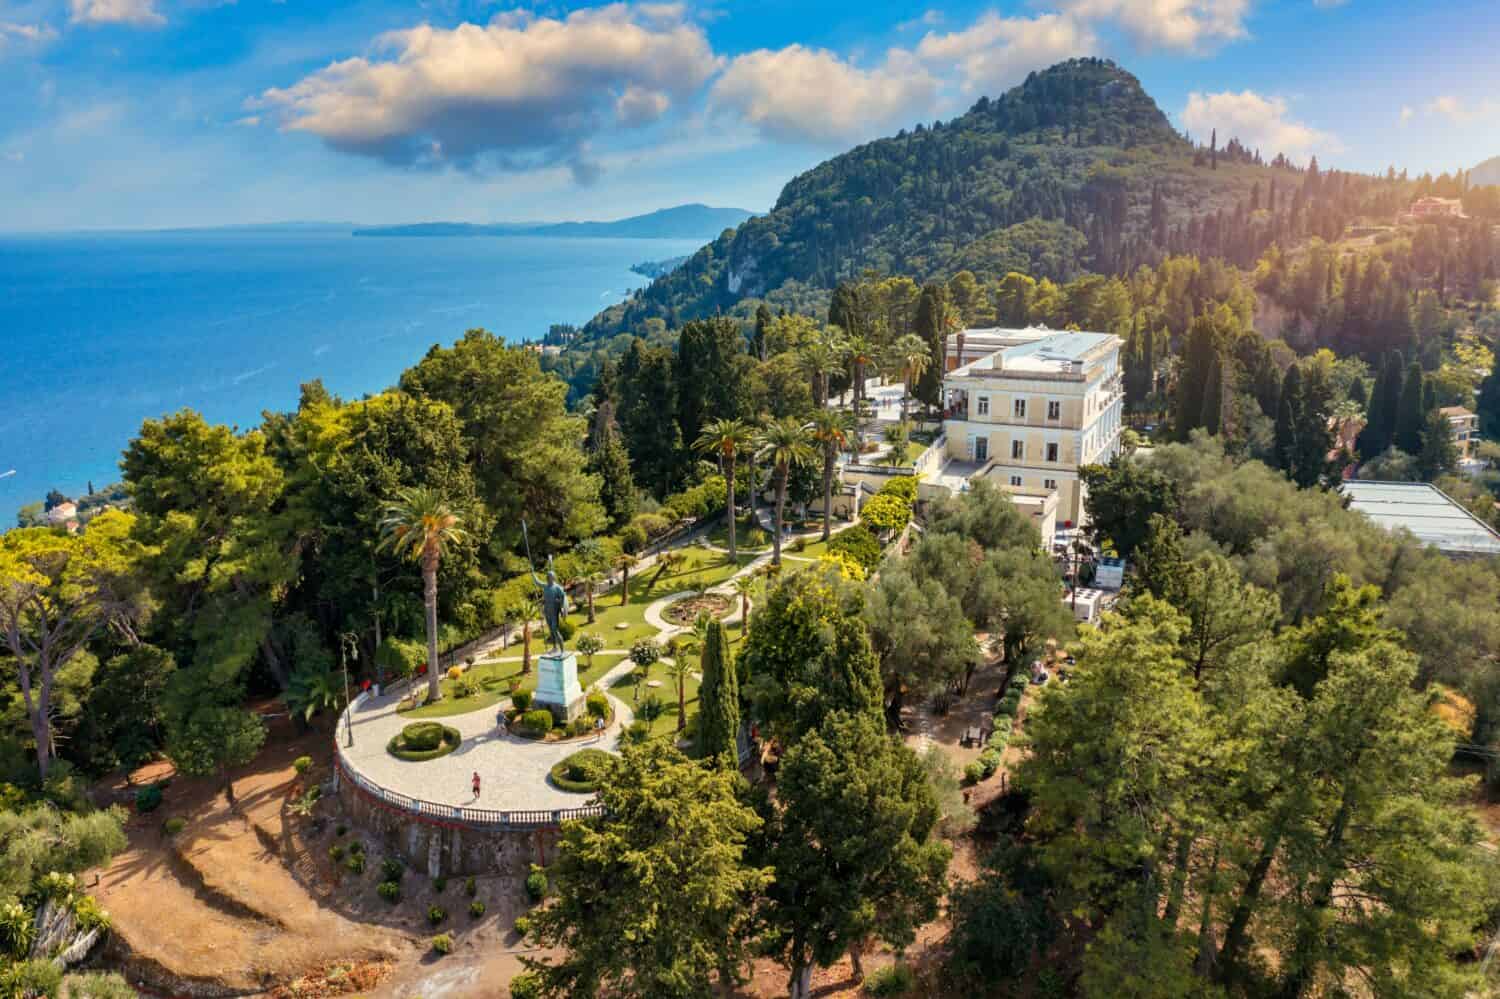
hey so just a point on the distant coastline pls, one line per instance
(682, 222)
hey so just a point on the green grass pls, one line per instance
(710, 567)
(664, 727)
(720, 536)
(504, 671)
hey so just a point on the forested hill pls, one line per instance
(1076, 169)
(1486, 173)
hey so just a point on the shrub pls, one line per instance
(581, 725)
(148, 798)
(340, 829)
(651, 708)
(302, 765)
(422, 736)
(567, 629)
(471, 887)
(174, 825)
(892, 980)
(903, 486)
(89, 913)
(1018, 684)
(638, 732)
(436, 914)
(523, 925)
(859, 544)
(391, 869)
(464, 687)
(476, 909)
(454, 672)
(536, 884)
(598, 705)
(336, 852)
(358, 847)
(974, 772)
(424, 741)
(521, 700)
(355, 863)
(535, 724)
(581, 771)
(389, 890)
(439, 885)
(526, 985)
(443, 943)
(1006, 708)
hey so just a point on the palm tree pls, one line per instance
(589, 556)
(727, 439)
(679, 669)
(831, 428)
(861, 353)
(668, 561)
(785, 443)
(744, 585)
(912, 358)
(625, 562)
(417, 525)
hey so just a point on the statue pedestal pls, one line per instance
(557, 686)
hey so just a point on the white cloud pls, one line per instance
(803, 94)
(1185, 25)
(1258, 122)
(995, 53)
(142, 13)
(518, 93)
(30, 34)
(1407, 114)
(1461, 112)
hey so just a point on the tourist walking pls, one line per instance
(598, 729)
(476, 785)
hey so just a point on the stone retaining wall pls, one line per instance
(447, 849)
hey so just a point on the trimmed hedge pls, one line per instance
(598, 705)
(578, 771)
(426, 747)
(534, 724)
(521, 700)
(859, 544)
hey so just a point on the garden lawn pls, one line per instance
(664, 727)
(497, 692)
(720, 536)
(711, 567)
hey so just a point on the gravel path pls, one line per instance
(512, 770)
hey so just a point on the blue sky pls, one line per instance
(144, 113)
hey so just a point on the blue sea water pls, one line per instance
(101, 331)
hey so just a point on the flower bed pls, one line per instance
(686, 610)
(423, 741)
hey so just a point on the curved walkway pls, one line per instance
(512, 770)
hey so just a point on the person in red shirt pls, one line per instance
(476, 784)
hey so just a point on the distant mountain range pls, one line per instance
(681, 222)
(1486, 173)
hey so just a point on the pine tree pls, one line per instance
(762, 326)
(1411, 411)
(719, 698)
(611, 463)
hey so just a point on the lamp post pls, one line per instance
(348, 645)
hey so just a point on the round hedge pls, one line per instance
(423, 741)
(574, 772)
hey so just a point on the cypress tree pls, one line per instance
(1198, 360)
(930, 325)
(719, 700)
(1380, 419)
(1487, 406)
(1411, 411)
(1358, 394)
(762, 325)
(1288, 410)
(1213, 397)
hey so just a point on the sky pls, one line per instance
(164, 113)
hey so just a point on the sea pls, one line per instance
(99, 332)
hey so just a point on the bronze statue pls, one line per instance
(554, 598)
